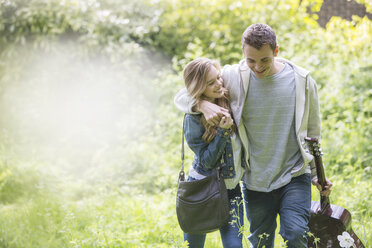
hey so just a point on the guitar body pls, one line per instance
(330, 223)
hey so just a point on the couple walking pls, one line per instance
(256, 115)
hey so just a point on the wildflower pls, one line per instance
(346, 241)
(233, 222)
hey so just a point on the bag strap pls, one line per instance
(181, 176)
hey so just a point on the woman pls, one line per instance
(212, 145)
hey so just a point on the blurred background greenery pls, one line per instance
(90, 138)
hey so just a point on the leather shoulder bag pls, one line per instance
(202, 205)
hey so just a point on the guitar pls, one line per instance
(327, 221)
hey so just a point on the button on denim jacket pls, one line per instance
(208, 156)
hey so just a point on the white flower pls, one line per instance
(346, 241)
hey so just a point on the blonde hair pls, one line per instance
(195, 76)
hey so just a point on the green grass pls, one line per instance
(102, 220)
(78, 215)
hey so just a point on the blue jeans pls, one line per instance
(229, 233)
(292, 202)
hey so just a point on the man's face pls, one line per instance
(261, 61)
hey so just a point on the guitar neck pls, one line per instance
(316, 151)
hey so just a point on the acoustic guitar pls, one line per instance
(327, 221)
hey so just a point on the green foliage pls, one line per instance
(18, 180)
(106, 220)
(126, 196)
(347, 98)
(93, 23)
(51, 46)
(219, 36)
(339, 58)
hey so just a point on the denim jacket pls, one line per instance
(208, 156)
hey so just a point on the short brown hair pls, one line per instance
(257, 35)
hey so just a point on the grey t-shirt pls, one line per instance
(269, 117)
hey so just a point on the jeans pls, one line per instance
(292, 202)
(229, 233)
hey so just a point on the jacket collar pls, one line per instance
(299, 70)
(243, 65)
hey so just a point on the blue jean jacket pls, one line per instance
(208, 156)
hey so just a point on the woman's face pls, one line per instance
(214, 84)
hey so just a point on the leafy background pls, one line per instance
(90, 138)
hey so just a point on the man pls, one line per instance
(275, 106)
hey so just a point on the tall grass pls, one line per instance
(69, 214)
